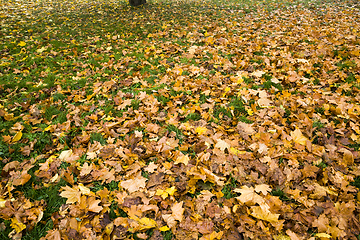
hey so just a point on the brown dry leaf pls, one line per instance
(169, 219)
(348, 157)
(52, 235)
(292, 235)
(133, 185)
(245, 129)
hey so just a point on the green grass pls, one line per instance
(227, 190)
(71, 53)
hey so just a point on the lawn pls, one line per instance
(180, 119)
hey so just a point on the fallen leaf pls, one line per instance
(18, 226)
(298, 137)
(93, 205)
(177, 211)
(222, 145)
(182, 159)
(72, 194)
(259, 213)
(133, 185)
(17, 137)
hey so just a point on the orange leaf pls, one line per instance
(94, 205)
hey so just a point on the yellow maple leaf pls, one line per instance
(109, 228)
(265, 215)
(164, 229)
(182, 159)
(22, 44)
(162, 193)
(322, 235)
(18, 226)
(171, 190)
(146, 223)
(201, 130)
(40, 50)
(17, 137)
(298, 137)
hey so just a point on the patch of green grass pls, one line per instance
(115, 211)
(58, 96)
(318, 125)
(280, 193)
(316, 81)
(245, 120)
(167, 235)
(145, 174)
(111, 186)
(320, 110)
(356, 182)
(322, 165)
(162, 99)
(229, 187)
(355, 146)
(221, 111)
(179, 134)
(135, 104)
(238, 106)
(97, 137)
(193, 116)
(51, 111)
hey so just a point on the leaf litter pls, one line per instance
(180, 120)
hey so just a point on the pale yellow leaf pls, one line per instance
(264, 188)
(222, 145)
(298, 137)
(169, 219)
(134, 185)
(322, 235)
(72, 195)
(94, 205)
(265, 215)
(177, 211)
(182, 159)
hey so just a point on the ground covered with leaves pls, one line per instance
(179, 120)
